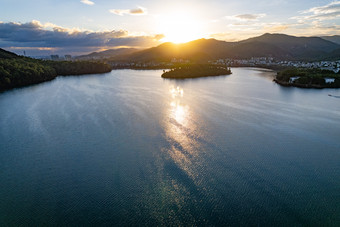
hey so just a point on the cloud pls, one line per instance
(276, 28)
(327, 12)
(87, 2)
(136, 12)
(37, 35)
(246, 17)
(317, 28)
(330, 8)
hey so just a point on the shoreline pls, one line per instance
(287, 84)
(281, 83)
(190, 78)
(48, 80)
(196, 71)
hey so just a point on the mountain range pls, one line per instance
(334, 38)
(108, 53)
(278, 46)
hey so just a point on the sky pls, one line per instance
(44, 27)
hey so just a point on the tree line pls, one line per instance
(308, 77)
(23, 71)
(196, 70)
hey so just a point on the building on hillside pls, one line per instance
(292, 79)
(329, 80)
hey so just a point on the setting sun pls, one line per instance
(180, 27)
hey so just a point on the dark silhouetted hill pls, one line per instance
(109, 53)
(296, 48)
(279, 46)
(18, 71)
(6, 54)
(334, 38)
(246, 50)
(335, 54)
(198, 50)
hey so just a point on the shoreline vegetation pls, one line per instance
(308, 78)
(17, 71)
(195, 71)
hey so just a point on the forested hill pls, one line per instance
(6, 54)
(17, 71)
(278, 46)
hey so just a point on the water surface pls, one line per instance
(131, 148)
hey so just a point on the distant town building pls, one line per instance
(68, 57)
(269, 61)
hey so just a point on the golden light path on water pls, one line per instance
(179, 112)
(182, 132)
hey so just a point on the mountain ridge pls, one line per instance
(108, 53)
(278, 46)
(7, 54)
(334, 38)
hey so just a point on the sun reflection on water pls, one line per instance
(178, 111)
(176, 92)
(182, 133)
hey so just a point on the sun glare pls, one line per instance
(180, 27)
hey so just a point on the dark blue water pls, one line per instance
(130, 148)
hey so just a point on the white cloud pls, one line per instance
(87, 2)
(319, 20)
(327, 12)
(246, 17)
(136, 12)
(330, 8)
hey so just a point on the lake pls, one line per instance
(131, 148)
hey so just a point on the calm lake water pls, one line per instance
(131, 148)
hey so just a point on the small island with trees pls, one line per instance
(195, 71)
(308, 78)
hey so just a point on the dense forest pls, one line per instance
(308, 78)
(64, 68)
(17, 71)
(196, 70)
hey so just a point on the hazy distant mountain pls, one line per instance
(202, 49)
(109, 53)
(334, 38)
(7, 54)
(297, 48)
(293, 43)
(279, 46)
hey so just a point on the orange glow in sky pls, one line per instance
(180, 27)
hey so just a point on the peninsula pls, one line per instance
(308, 78)
(195, 71)
(18, 71)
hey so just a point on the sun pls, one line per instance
(180, 27)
